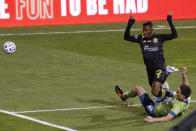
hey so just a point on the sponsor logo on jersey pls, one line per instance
(147, 48)
(155, 40)
(176, 109)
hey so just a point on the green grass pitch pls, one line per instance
(58, 71)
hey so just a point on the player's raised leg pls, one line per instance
(137, 91)
(158, 91)
(158, 79)
(165, 85)
(170, 69)
(146, 101)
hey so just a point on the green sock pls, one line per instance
(132, 94)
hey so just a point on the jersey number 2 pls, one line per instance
(158, 73)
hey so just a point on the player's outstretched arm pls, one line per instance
(127, 35)
(169, 19)
(160, 119)
(174, 34)
(131, 20)
(184, 77)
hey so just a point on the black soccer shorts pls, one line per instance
(156, 74)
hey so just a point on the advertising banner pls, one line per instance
(18, 13)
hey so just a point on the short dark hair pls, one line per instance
(185, 90)
(149, 23)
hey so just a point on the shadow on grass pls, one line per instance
(102, 122)
(102, 102)
(134, 117)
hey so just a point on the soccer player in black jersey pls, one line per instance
(152, 50)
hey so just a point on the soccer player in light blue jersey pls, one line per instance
(164, 109)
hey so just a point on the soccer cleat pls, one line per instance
(119, 92)
(171, 69)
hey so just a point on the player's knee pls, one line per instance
(139, 90)
(155, 91)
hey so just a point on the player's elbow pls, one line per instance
(169, 117)
(125, 37)
(175, 36)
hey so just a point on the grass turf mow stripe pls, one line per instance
(84, 108)
(95, 31)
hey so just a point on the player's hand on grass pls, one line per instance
(169, 16)
(131, 19)
(184, 70)
(148, 119)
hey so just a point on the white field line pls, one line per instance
(82, 108)
(193, 101)
(36, 120)
(90, 31)
(18, 114)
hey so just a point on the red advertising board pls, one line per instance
(17, 13)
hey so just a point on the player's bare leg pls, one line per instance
(156, 86)
(158, 92)
(165, 85)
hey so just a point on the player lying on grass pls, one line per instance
(152, 50)
(164, 109)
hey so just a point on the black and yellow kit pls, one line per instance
(152, 50)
